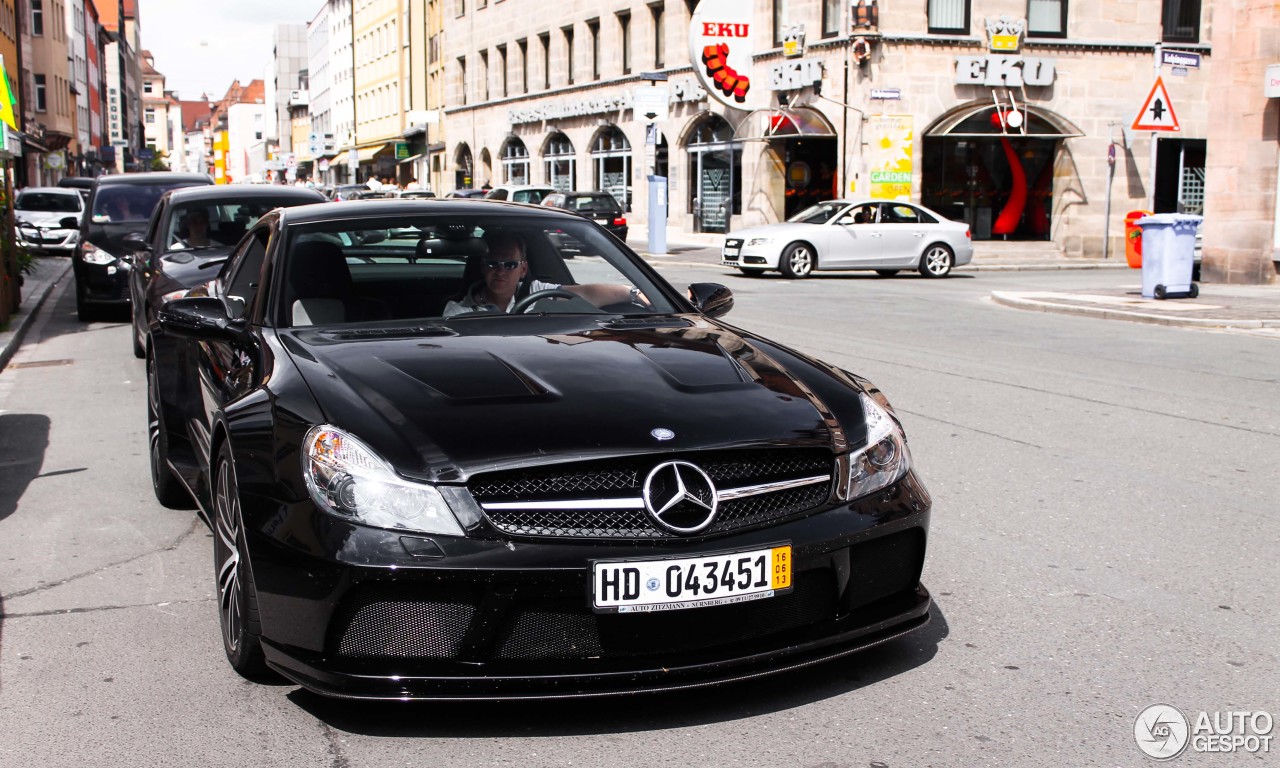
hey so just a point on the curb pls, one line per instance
(26, 315)
(666, 259)
(1013, 300)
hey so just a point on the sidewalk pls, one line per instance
(1217, 306)
(35, 289)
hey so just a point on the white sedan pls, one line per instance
(887, 236)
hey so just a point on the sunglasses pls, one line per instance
(507, 266)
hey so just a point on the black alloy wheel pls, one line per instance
(237, 595)
(937, 261)
(168, 489)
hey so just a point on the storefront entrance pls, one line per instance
(810, 172)
(1000, 184)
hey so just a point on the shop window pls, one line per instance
(949, 17)
(559, 164)
(515, 162)
(1047, 18)
(611, 156)
(1181, 21)
(715, 174)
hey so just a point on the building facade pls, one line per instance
(51, 110)
(380, 40)
(157, 137)
(283, 83)
(1001, 113)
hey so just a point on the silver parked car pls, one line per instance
(886, 236)
(48, 219)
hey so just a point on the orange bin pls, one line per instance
(1133, 238)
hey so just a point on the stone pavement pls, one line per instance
(35, 289)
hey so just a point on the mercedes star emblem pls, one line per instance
(680, 497)
(661, 433)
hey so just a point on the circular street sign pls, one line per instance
(722, 52)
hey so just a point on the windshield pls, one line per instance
(128, 202)
(209, 224)
(529, 195)
(49, 202)
(818, 214)
(459, 269)
(593, 203)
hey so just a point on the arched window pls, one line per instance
(515, 162)
(611, 156)
(715, 173)
(559, 162)
(463, 178)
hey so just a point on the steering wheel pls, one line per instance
(536, 296)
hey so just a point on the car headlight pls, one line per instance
(92, 254)
(759, 241)
(349, 480)
(884, 459)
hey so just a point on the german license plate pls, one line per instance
(641, 586)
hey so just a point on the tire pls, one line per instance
(237, 596)
(750, 272)
(168, 488)
(85, 313)
(1194, 291)
(798, 261)
(139, 351)
(937, 261)
(1160, 292)
(886, 272)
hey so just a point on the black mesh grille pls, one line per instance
(406, 629)
(567, 628)
(623, 478)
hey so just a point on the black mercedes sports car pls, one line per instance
(443, 462)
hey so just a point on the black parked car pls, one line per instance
(119, 205)
(190, 235)
(603, 490)
(600, 207)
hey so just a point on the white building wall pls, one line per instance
(246, 125)
(341, 73)
(79, 70)
(290, 59)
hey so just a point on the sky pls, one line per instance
(202, 45)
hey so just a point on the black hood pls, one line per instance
(445, 402)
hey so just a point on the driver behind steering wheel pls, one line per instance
(507, 266)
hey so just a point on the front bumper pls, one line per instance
(391, 616)
(103, 284)
(53, 242)
(736, 253)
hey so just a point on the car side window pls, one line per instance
(904, 214)
(241, 284)
(498, 194)
(862, 214)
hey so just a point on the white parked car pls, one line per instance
(886, 236)
(519, 193)
(42, 215)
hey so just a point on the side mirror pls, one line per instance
(846, 221)
(202, 318)
(69, 222)
(135, 241)
(711, 299)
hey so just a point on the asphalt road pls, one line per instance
(1104, 538)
